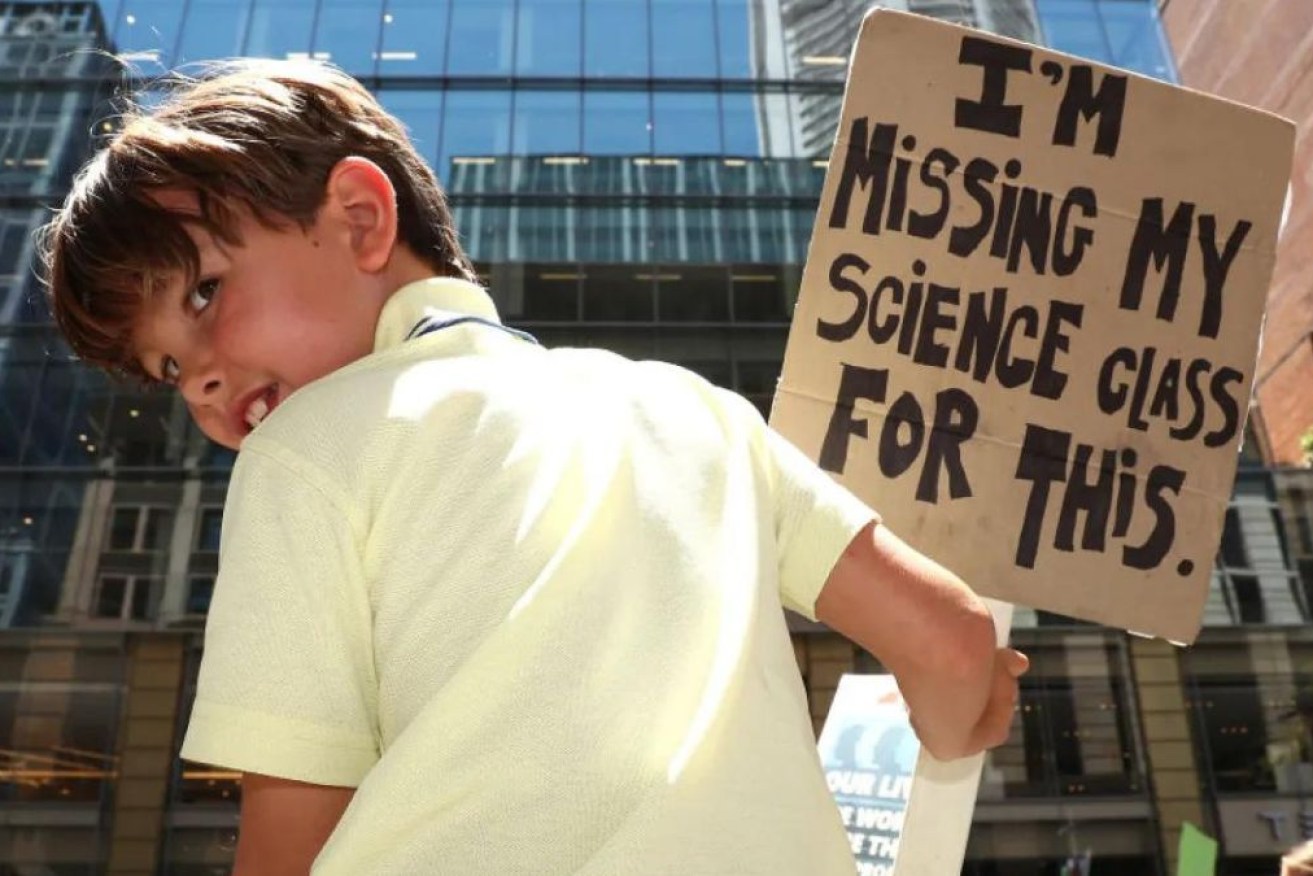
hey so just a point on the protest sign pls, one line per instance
(869, 752)
(1197, 852)
(1029, 316)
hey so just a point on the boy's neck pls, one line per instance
(404, 268)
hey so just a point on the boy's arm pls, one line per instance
(933, 633)
(284, 824)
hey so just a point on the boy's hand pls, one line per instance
(995, 722)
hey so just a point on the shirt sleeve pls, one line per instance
(816, 518)
(286, 684)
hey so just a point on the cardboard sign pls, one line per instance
(1030, 313)
(869, 753)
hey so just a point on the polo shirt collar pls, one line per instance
(435, 297)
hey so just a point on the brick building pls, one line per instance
(1257, 53)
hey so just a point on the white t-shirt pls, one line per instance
(528, 603)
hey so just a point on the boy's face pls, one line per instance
(267, 316)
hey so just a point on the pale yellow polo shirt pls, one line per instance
(528, 603)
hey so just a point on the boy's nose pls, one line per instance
(202, 387)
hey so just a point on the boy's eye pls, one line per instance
(169, 370)
(199, 298)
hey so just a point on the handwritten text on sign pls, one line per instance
(995, 268)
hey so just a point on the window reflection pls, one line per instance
(414, 39)
(421, 113)
(147, 32)
(684, 39)
(616, 39)
(617, 123)
(280, 29)
(685, 123)
(1072, 733)
(212, 29)
(476, 129)
(736, 31)
(1135, 38)
(547, 38)
(347, 32)
(58, 727)
(486, 34)
(1258, 732)
(547, 123)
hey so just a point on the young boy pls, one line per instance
(482, 607)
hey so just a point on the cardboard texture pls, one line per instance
(1029, 317)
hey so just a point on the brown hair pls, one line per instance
(258, 134)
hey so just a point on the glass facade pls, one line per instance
(640, 175)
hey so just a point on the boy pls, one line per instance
(482, 607)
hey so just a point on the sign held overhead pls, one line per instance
(1030, 315)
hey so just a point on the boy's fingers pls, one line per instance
(1015, 662)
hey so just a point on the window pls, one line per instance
(475, 129)
(421, 113)
(547, 38)
(147, 31)
(347, 33)
(617, 123)
(280, 29)
(212, 29)
(200, 589)
(547, 123)
(684, 39)
(414, 38)
(486, 30)
(685, 123)
(208, 528)
(622, 293)
(736, 31)
(126, 597)
(140, 529)
(616, 39)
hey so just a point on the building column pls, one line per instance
(1169, 751)
(150, 717)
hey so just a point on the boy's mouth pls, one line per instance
(259, 407)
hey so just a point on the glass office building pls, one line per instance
(635, 174)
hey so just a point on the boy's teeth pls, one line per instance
(256, 412)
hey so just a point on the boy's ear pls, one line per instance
(364, 198)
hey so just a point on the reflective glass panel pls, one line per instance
(685, 123)
(280, 28)
(548, 36)
(476, 126)
(684, 39)
(485, 37)
(620, 293)
(414, 38)
(212, 29)
(547, 123)
(147, 31)
(617, 123)
(421, 113)
(735, 32)
(1074, 26)
(616, 39)
(347, 33)
(1136, 38)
